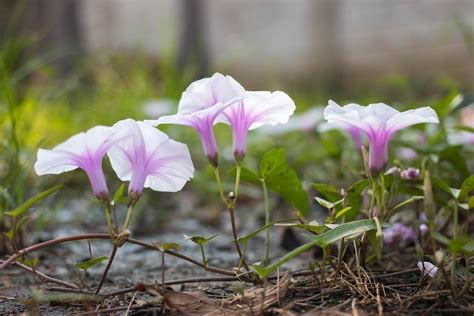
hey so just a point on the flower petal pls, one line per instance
(193, 119)
(207, 92)
(368, 118)
(350, 114)
(75, 151)
(54, 162)
(121, 162)
(172, 167)
(412, 117)
(150, 159)
(260, 108)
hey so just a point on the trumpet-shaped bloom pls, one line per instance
(380, 122)
(200, 105)
(149, 159)
(85, 151)
(427, 268)
(259, 108)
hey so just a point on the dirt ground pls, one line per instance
(393, 285)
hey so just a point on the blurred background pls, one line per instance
(68, 65)
(329, 44)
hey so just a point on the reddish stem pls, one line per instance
(144, 244)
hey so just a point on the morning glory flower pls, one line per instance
(460, 137)
(85, 151)
(410, 173)
(258, 109)
(407, 174)
(149, 159)
(427, 268)
(399, 235)
(200, 105)
(380, 122)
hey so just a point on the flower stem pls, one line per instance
(237, 180)
(127, 218)
(117, 242)
(382, 205)
(267, 221)
(372, 198)
(219, 184)
(455, 235)
(234, 230)
(107, 268)
(109, 221)
(379, 233)
(204, 260)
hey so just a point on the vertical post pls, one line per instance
(192, 50)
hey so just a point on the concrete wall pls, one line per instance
(296, 38)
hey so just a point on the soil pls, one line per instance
(393, 285)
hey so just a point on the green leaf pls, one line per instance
(375, 243)
(201, 241)
(406, 202)
(30, 263)
(246, 175)
(442, 239)
(470, 203)
(464, 128)
(118, 196)
(343, 231)
(446, 104)
(330, 192)
(354, 198)
(25, 206)
(163, 247)
(271, 161)
(84, 265)
(281, 179)
(313, 226)
(324, 203)
(323, 240)
(10, 234)
(466, 187)
(440, 184)
(342, 212)
(462, 245)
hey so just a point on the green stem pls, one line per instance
(455, 235)
(267, 222)
(204, 260)
(109, 221)
(237, 181)
(379, 233)
(378, 192)
(382, 205)
(372, 198)
(219, 184)
(127, 219)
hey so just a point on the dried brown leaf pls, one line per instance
(253, 301)
(257, 299)
(194, 303)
